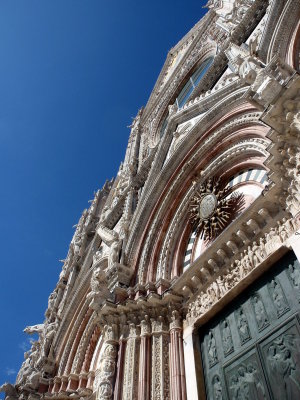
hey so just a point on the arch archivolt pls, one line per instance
(242, 137)
(64, 353)
(83, 345)
(197, 55)
(246, 148)
(160, 178)
(283, 33)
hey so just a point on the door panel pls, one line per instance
(252, 349)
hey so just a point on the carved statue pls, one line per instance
(243, 326)
(105, 391)
(227, 338)
(46, 334)
(258, 256)
(249, 69)
(111, 239)
(114, 254)
(217, 388)
(212, 349)
(252, 383)
(295, 276)
(78, 239)
(278, 297)
(51, 304)
(50, 331)
(34, 329)
(10, 391)
(110, 351)
(235, 388)
(108, 367)
(260, 314)
(283, 366)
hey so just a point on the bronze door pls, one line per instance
(251, 351)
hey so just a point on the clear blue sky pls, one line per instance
(72, 75)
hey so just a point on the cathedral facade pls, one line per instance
(182, 279)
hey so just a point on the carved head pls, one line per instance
(241, 370)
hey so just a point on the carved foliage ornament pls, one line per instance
(213, 207)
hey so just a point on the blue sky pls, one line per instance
(73, 74)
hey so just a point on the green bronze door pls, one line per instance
(252, 351)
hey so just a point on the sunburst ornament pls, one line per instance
(213, 207)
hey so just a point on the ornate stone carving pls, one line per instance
(249, 260)
(212, 208)
(105, 375)
(130, 379)
(266, 82)
(10, 391)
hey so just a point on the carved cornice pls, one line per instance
(228, 282)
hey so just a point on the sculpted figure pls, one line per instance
(221, 284)
(51, 304)
(108, 367)
(227, 338)
(235, 388)
(243, 326)
(97, 281)
(212, 349)
(262, 247)
(260, 314)
(240, 267)
(248, 70)
(255, 388)
(283, 233)
(50, 331)
(295, 276)
(34, 329)
(217, 388)
(257, 254)
(278, 297)
(105, 390)
(114, 254)
(10, 391)
(283, 367)
(110, 351)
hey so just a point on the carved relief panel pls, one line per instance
(252, 350)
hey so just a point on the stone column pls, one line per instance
(145, 358)
(177, 374)
(160, 388)
(120, 370)
(193, 366)
(130, 379)
(104, 377)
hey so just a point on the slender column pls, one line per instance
(193, 368)
(130, 379)
(160, 387)
(104, 379)
(177, 373)
(145, 355)
(120, 370)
